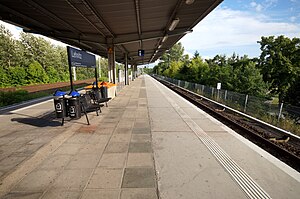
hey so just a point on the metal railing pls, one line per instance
(281, 115)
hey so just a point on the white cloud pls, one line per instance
(15, 31)
(293, 19)
(258, 7)
(225, 29)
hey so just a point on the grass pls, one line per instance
(13, 97)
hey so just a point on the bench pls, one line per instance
(89, 105)
(96, 96)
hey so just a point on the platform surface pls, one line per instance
(148, 143)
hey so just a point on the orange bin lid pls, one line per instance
(100, 84)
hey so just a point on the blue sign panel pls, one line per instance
(141, 52)
(80, 58)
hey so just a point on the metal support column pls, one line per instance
(111, 64)
(132, 71)
(126, 69)
(134, 66)
(135, 71)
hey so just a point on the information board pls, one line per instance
(80, 58)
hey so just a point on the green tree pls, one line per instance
(279, 63)
(4, 77)
(8, 54)
(36, 73)
(175, 54)
(17, 76)
(172, 70)
(248, 80)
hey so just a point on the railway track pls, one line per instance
(279, 143)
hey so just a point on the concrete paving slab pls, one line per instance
(104, 124)
(106, 178)
(141, 124)
(129, 114)
(140, 147)
(96, 138)
(11, 162)
(141, 138)
(120, 137)
(123, 130)
(140, 160)
(138, 193)
(83, 161)
(73, 179)
(172, 125)
(79, 138)
(87, 128)
(207, 125)
(88, 148)
(37, 181)
(158, 102)
(6, 139)
(104, 130)
(68, 149)
(56, 162)
(126, 123)
(159, 114)
(141, 130)
(23, 195)
(61, 194)
(100, 194)
(117, 147)
(28, 149)
(192, 112)
(113, 160)
(42, 140)
(139, 178)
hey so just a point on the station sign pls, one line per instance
(80, 58)
(219, 86)
(141, 53)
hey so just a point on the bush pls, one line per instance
(36, 73)
(17, 76)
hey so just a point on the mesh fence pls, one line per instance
(281, 115)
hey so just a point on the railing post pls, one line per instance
(225, 97)
(280, 111)
(246, 101)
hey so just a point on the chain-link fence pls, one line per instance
(283, 116)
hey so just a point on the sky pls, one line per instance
(235, 26)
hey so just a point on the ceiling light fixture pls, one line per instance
(189, 2)
(174, 24)
(164, 38)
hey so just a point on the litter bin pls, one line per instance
(60, 104)
(103, 91)
(74, 105)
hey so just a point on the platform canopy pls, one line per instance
(94, 25)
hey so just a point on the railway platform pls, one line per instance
(149, 143)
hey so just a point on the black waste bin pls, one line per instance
(103, 91)
(74, 108)
(74, 105)
(60, 104)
